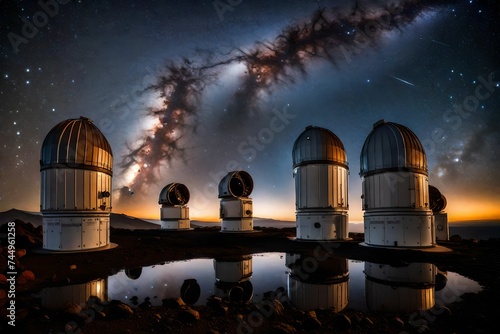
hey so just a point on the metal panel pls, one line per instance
(377, 232)
(174, 212)
(103, 231)
(234, 224)
(76, 141)
(70, 189)
(394, 232)
(442, 228)
(307, 296)
(51, 233)
(57, 298)
(71, 234)
(60, 189)
(392, 146)
(90, 233)
(86, 190)
(322, 182)
(93, 205)
(387, 298)
(318, 144)
(312, 186)
(233, 271)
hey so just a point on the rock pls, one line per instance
(72, 267)
(366, 322)
(283, 328)
(455, 238)
(443, 311)
(271, 308)
(212, 331)
(188, 315)
(118, 310)
(146, 304)
(214, 301)
(3, 279)
(221, 310)
(311, 321)
(95, 303)
(398, 322)
(279, 310)
(25, 277)
(99, 315)
(342, 321)
(173, 302)
(27, 236)
(73, 308)
(423, 329)
(22, 313)
(21, 252)
(28, 274)
(3, 294)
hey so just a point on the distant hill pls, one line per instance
(484, 222)
(117, 220)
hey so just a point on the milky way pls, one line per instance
(331, 35)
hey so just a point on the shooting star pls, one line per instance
(403, 81)
(438, 42)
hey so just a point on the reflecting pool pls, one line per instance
(306, 282)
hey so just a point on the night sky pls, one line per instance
(241, 80)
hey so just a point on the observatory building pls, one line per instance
(233, 278)
(311, 285)
(402, 288)
(76, 166)
(59, 297)
(174, 212)
(320, 171)
(438, 204)
(393, 169)
(236, 208)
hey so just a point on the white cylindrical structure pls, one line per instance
(312, 284)
(400, 289)
(438, 204)
(232, 278)
(321, 185)
(76, 166)
(174, 212)
(57, 298)
(395, 188)
(236, 208)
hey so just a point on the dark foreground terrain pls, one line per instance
(475, 313)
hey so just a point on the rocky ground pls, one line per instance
(476, 313)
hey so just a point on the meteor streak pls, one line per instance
(402, 80)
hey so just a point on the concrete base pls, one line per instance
(320, 226)
(428, 249)
(400, 229)
(237, 225)
(175, 224)
(111, 245)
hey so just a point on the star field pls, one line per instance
(438, 74)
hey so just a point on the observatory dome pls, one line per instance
(318, 145)
(391, 147)
(76, 143)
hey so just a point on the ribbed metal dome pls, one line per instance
(318, 145)
(76, 143)
(392, 146)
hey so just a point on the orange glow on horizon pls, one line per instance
(458, 210)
